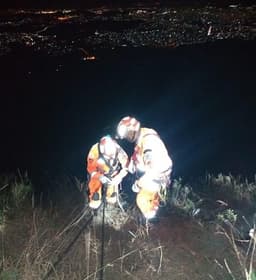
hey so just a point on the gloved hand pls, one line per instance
(119, 177)
(123, 172)
(104, 179)
(116, 180)
(135, 187)
(131, 167)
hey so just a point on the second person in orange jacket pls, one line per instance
(107, 165)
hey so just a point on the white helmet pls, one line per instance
(128, 128)
(107, 147)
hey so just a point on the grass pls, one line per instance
(234, 189)
(246, 258)
(14, 191)
(35, 241)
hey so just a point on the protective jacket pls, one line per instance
(152, 165)
(150, 155)
(99, 166)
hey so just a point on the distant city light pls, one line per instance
(63, 18)
(46, 12)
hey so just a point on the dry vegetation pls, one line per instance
(205, 231)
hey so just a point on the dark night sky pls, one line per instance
(113, 3)
(200, 98)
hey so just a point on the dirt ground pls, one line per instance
(173, 248)
(43, 245)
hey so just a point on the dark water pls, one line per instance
(200, 98)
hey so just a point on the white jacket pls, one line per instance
(150, 155)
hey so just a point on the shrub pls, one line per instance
(14, 192)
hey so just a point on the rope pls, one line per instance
(60, 256)
(76, 220)
(117, 197)
(73, 223)
(103, 234)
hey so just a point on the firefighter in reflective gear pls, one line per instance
(107, 165)
(150, 163)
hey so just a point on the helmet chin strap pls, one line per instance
(132, 137)
(137, 135)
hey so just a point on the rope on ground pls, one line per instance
(61, 256)
(118, 199)
(103, 234)
(76, 220)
